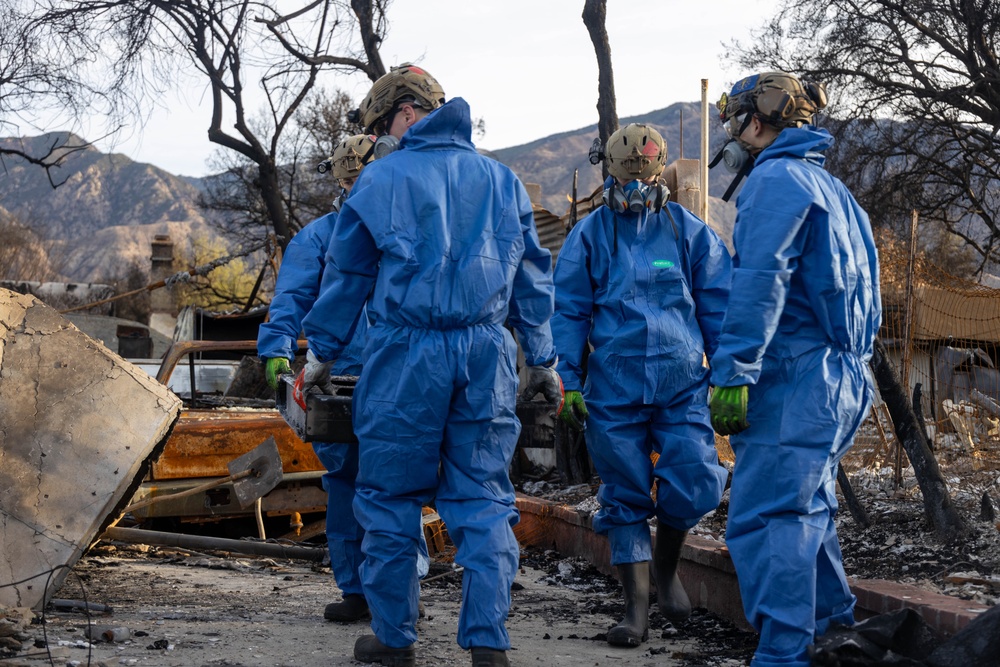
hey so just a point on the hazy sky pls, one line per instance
(526, 67)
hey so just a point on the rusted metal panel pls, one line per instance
(205, 441)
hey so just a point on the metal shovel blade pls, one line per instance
(265, 464)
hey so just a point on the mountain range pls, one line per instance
(106, 208)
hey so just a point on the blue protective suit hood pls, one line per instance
(807, 142)
(435, 235)
(449, 126)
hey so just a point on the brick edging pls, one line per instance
(710, 578)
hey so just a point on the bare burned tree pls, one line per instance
(307, 194)
(39, 72)
(917, 92)
(234, 45)
(138, 306)
(321, 126)
(24, 255)
(594, 15)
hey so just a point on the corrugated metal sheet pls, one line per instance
(552, 228)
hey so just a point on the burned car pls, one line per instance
(217, 425)
(229, 411)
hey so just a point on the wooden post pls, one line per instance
(704, 150)
(681, 135)
(907, 336)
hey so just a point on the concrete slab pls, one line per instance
(77, 426)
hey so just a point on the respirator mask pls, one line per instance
(635, 197)
(734, 154)
(384, 145)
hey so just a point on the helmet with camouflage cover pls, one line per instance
(636, 152)
(404, 83)
(352, 154)
(779, 99)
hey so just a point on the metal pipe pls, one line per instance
(140, 536)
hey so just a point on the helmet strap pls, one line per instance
(743, 128)
(368, 154)
(744, 170)
(338, 201)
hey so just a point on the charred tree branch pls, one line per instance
(945, 520)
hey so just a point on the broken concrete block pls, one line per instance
(78, 425)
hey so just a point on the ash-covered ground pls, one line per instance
(716, 641)
(182, 608)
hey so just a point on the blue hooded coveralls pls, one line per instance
(295, 291)
(440, 242)
(803, 313)
(649, 292)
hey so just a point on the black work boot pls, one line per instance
(370, 649)
(671, 596)
(353, 608)
(489, 657)
(634, 629)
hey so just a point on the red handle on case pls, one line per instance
(297, 394)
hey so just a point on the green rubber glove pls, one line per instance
(729, 409)
(573, 410)
(274, 367)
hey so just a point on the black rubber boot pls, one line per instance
(370, 649)
(353, 608)
(489, 657)
(671, 596)
(634, 629)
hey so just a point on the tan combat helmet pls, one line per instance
(404, 83)
(777, 98)
(636, 152)
(352, 154)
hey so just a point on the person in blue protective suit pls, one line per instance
(301, 272)
(791, 375)
(295, 292)
(438, 243)
(645, 282)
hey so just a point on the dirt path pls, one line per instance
(185, 611)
